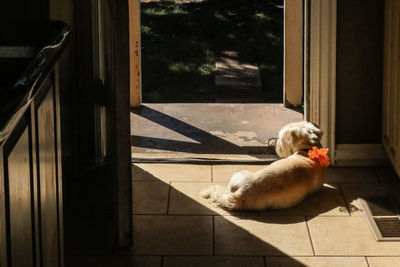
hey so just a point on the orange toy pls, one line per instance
(319, 155)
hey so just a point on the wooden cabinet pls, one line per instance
(31, 232)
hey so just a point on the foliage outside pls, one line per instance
(181, 41)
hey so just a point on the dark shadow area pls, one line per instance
(181, 42)
(214, 144)
(385, 205)
(90, 214)
(89, 242)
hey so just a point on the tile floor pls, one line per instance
(174, 226)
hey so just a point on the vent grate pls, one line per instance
(383, 217)
(389, 227)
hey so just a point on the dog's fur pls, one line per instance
(281, 184)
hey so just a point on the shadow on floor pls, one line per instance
(201, 142)
(207, 240)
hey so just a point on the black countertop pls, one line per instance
(28, 52)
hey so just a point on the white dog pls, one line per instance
(283, 183)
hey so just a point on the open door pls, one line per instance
(112, 71)
(391, 81)
(293, 53)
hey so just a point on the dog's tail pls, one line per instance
(219, 196)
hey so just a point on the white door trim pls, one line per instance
(320, 75)
(293, 53)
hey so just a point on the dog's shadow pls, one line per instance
(329, 200)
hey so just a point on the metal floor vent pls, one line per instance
(383, 216)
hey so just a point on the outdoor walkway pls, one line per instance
(175, 227)
(237, 81)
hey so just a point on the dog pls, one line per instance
(285, 182)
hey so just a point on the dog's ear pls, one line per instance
(285, 143)
(314, 129)
(299, 134)
(315, 135)
(309, 134)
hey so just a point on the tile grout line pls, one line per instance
(212, 175)
(345, 200)
(309, 235)
(377, 176)
(169, 196)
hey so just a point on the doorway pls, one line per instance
(200, 51)
(212, 51)
(215, 52)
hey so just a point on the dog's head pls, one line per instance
(296, 136)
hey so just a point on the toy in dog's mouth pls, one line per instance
(319, 155)
(272, 142)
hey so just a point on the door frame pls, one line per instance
(320, 68)
(135, 54)
(293, 53)
(120, 116)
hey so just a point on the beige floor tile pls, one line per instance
(387, 175)
(185, 199)
(347, 236)
(213, 262)
(223, 173)
(327, 201)
(262, 235)
(354, 191)
(316, 261)
(171, 172)
(350, 175)
(172, 235)
(150, 197)
(383, 261)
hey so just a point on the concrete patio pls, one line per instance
(222, 129)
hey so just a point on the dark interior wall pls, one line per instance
(24, 10)
(359, 71)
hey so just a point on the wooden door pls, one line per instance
(112, 69)
(391, 83)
